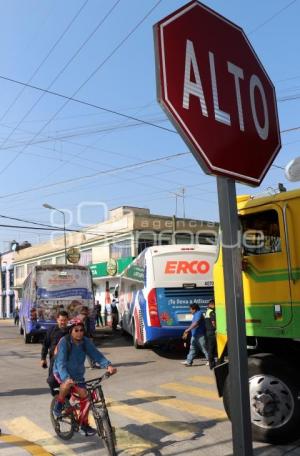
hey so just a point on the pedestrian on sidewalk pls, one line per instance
(16, 316)
(98, 314)
(210, 325)
(198, 339)
(114, 314)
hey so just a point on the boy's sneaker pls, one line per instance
(57, 409)
(86, 429)
(185, 363)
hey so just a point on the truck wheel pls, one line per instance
(274, 403)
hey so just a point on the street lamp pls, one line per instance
(47, 206)
(292, 170)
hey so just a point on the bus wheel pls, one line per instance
(274, 403)
(135, 337)
(27, 337)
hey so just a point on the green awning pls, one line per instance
(110, 268)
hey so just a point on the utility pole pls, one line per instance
(183, 201)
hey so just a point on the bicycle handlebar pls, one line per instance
(98, 379)
(93, 381)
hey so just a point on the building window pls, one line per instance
(261, 234)
(86, 257)
(20, 272)
(121, 249)
(47, 261)
(60, 259)
(3, 279)
(11, 304)
(207, 238)
(164, 241)
(184, 238)
(11, 278)
(144, 243)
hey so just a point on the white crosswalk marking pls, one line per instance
(194, 391)
(29, 430)
(199, 410)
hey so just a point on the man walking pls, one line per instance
(52, 338)
(210, 325)
(197, 330)
(16, 316)
(114, 314)
(98, 314)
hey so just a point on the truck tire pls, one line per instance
(274, 403)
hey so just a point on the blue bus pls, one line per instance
(49, 289)
(157, 288)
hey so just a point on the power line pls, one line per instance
(47, 227)
(100, 23)
(102, 108)
(271, 18)
(290, 129)
(45, 58)
(86, 103)
(111, 111)
(88, 79)
(288, 79)
(110, 171)
(30, 227)
(76, 133)
(289, 98)
(156, 175)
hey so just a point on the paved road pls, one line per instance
(158, 406)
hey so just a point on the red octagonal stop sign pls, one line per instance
(217, 93)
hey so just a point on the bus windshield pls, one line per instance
(58, 288)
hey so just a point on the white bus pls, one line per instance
(157, 288)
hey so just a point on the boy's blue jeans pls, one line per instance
(198, 343)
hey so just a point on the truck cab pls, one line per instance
(270, 261)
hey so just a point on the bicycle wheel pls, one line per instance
(106, 432)
(63, 425)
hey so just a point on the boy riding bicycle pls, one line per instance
(69, 368)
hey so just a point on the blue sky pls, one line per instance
(45, 140)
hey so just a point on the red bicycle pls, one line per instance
(69, 421)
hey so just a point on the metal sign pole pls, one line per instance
(235, 316)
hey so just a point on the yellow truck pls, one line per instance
(270, 249)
